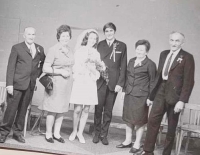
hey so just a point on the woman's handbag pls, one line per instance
(47, 81)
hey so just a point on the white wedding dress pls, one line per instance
(84, 89)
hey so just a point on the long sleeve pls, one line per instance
(123, 66)
(188, 79)
(41, 61)
(48, 64)
(11, 67)
(152, 75)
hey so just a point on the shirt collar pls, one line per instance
(29, 46)
(110, 41)
(176, 52)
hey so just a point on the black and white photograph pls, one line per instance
(99, 77)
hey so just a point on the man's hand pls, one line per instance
(10, 90)
(179, 107)
(149, 102)
(118, 88)
(122, 95)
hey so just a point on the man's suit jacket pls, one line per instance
(117, 68)
(22, 69)
(140, 79)
(180, 79)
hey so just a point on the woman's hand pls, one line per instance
(92, 68)
(65, 73)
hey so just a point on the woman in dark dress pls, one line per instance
(140, 76)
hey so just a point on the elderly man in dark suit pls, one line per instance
(114, 55)
(173, 86)
(24, 66)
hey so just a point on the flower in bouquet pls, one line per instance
(101, 67)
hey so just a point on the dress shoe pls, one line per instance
(50, 140)
(72, 136)
(3, 139)
(81, 138)
(61, 140)
(134, 150)
(124, 146)
(19, 138)
(146, 153)
(95, 139)
(104, 140)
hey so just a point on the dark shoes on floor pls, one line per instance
(134, 150)
(3, 139)
(146, 153)
(124, 146)
(104, 140)
(61, 140)
(50, 140)
(95, 139)
(19, 138)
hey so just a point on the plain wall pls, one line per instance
(135, 19)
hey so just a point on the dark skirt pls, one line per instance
(135, 110)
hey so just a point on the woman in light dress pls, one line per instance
(84, 90)
(58, 63)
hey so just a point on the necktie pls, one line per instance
(31, 52)
(167, 65)
(109, 44)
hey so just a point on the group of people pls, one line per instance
(93, 75)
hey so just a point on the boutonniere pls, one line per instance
(38, 49)
(114, 51)
(180, 58)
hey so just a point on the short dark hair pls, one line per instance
(143, 42)
(85, 39)
(109, 25)
(63, 28)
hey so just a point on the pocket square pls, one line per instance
(118, 52)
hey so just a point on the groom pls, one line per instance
(114, 55)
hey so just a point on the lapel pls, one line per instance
(26, 48)
(164, 59)
(131, 65)
(37, 50)
(175, 62)
(106, 50)
(142, 62)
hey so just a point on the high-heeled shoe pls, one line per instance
(72, 136)
(81, 138)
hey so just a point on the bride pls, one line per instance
(84, 90)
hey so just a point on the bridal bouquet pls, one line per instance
(100, 66)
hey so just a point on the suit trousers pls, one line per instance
(15, 113)
(106, 100)
(160, 106)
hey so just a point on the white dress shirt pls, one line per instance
(109, 42)
(32, 47)
(172, 60)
